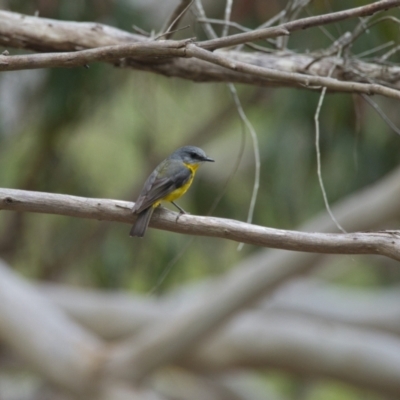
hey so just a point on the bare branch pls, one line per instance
(48, 35)
(306, 80)
(202, 16)
(227, 17)
(286, 28)
(150, 49)
(387, 120)
(155, 50)
(390, 53)
(384, 243)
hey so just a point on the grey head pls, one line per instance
(190, 155)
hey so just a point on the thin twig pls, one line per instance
(173, 21)
(227, 17)
(323, 30)
(259, 48)
(375, 49)
(256, 148)
(240, 28)
(272, 20)
(303, 23)
(320, 180)
(389, 53)
(375, 106)
(169, 33)
(293, 9)
(141, 31)
(238, 159)
(267, 24)
(233, 24)
(202, 15)
(318, 151)
(365, 25)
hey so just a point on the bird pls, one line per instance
(169, 181)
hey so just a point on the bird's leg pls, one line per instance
(181, 210)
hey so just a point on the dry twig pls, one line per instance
(303, 23)
(174, 19)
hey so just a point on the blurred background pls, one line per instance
(99, 132)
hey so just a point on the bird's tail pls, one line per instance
(142, 221)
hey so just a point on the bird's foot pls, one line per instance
(180, 214)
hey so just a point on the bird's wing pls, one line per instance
(167, 177)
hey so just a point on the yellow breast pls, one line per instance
(183, 189)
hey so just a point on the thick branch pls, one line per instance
(383, 243)
(305, 346)
(45, 35)
(265, 338)
(126, 314)
(64, 352)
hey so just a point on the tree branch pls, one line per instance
(302, 345)
(64, 352)
(384, 243)
(126, 314)
(304, 23)
(44, 336)
(283, 68)
(139, 51)
(258, 339)
(156, 50)
(306, 80)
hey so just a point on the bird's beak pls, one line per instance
(209, 159)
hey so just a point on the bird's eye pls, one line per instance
(193, 154)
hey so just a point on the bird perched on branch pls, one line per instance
(169, 181)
